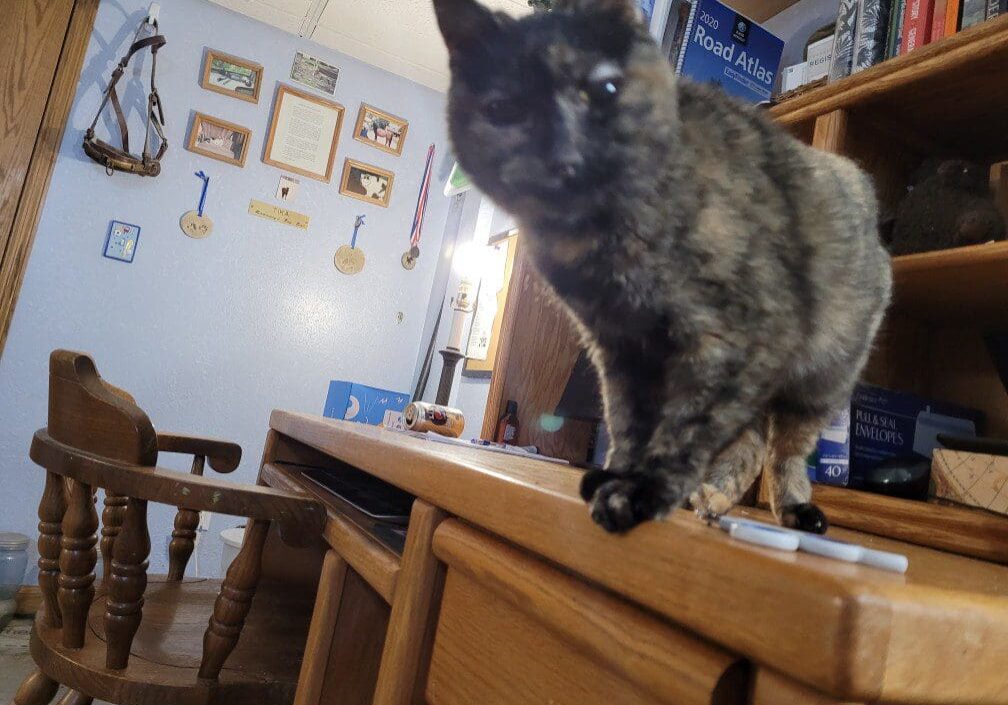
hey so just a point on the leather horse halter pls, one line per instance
(120, 159)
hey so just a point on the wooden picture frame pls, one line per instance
(474, 367)
(199, 144)
(352, 169)
(218, 81)
(330, 118)
(366, 113)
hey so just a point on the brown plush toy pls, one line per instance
(948, 204)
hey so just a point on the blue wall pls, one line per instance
(210, 335)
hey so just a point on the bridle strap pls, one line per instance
(103, 152)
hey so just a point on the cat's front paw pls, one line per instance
(619, 502)
(804, 517)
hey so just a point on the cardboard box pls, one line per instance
(882, 423)
(974, 479)
(351, 401)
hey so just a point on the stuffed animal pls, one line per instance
(948, 204)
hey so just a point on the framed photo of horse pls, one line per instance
(367, 183)
(381, 130)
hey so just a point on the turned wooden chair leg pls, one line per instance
(124, 605)
(112, 519)
(75, 697)
(51, 511)
(36, 689)
(234, 601)
(77, 562)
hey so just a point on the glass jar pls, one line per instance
(13, 562)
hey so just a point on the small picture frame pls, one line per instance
(303, 134)
(219, 139)
(121, 241)
(367, 183)
(381, 130)
(314, 73)
(232, 76)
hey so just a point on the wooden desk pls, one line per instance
(508, 593)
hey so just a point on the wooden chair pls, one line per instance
(139, 640)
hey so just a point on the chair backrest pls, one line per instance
(88, 413)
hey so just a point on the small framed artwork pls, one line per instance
(219, 139)
(314, 73)
(304, 133)
(367, 183)
(230, 75)
(380, 129)
(121, 241)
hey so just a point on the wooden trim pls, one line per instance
(322, 630)
(14, 258)
(28, 600)
(495, 395)
(365, 108)
(409, 626)
(377, 565)
(283, 90)
(771, 688)
(830, 132)
(198, 121)
(344, 189)
(212, 54)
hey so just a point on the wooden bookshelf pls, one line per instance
(948, 97)
(948, 284)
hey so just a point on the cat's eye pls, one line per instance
(603, 84)
(504, 111)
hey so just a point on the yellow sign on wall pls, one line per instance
(280, 215)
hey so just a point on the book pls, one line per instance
(872, 24)
(843, 39)
(675, 29)
(995, 8)
(952, 8)
(973, 12)
(917, 24)
(938, 20)
(818, 56)
(730, 50)
(895, 28)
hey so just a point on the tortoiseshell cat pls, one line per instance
(727, 279)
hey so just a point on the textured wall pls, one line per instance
(211, 335)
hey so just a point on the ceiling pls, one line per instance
(400, 36)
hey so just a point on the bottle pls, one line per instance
(507, 427)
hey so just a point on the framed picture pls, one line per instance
(488, 316)
(229, 75)
(366, 183)
(219, 139)
(380, 129)
(304, 132)
(314, 73)
(121, 241)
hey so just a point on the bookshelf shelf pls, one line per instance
(949, 95)
(951, 284)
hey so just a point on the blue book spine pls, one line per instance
(728, 49)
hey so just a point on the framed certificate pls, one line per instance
(303, 135)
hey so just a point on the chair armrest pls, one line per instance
(223, 456)
(297, 514)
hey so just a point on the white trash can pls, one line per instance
(232, 539)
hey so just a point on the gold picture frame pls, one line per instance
(208, 136)
(352, 185)
(329, 121)
(365, 119)
(230, 76)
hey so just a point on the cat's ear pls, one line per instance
(626, 9)
(465, 24)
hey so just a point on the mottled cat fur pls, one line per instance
(727, 279)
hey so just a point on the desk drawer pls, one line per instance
(512, 631)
